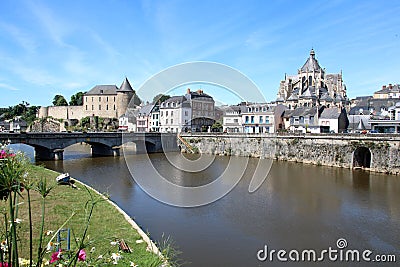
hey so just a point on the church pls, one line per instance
(312, 86)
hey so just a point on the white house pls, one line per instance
(232, 118)
(155, 119)
(262, 118)
(333, 120)
(143, 118)
(175, 114)
(126, 124)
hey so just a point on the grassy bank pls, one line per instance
(67, 205)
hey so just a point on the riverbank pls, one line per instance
(378, 153)
(108, 224)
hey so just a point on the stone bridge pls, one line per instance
(376, 152)
(50, 146)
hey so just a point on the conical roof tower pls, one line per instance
(125, 86)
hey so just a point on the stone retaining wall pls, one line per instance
(328, 150)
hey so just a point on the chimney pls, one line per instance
(199, 91)
(390, 86)
(188, 91)
(383, 86)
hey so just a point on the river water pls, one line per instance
(298, 207)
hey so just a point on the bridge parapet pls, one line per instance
(50, 146)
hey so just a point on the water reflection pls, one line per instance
(299, 206)
(360, 179)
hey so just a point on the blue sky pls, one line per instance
(62, 47)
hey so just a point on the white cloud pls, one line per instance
(8, 87)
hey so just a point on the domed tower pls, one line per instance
(124, 96)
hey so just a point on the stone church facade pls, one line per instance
(312, 86)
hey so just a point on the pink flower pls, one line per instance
(82, 255)
(55, 256)
(4, 264)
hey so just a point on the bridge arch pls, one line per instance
(362, 157)
(142, 146)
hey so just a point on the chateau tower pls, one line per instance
(124, 95)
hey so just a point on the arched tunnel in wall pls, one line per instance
(362, 157)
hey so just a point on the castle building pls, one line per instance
(312, 86)
(106, 101)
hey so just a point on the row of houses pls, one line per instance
(194, 111)
(13, 125)
(272, 118)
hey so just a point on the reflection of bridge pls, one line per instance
(50, 146)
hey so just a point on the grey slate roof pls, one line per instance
(311, 63)
(146, 110)
(103, 90)
(309, 93)
(300, 112)
(111, 89)
(125, 86)
(293, 97)
(326, 97)
(179, 99)
(330, 113)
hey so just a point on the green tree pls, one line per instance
(85, 122)
(59, 100)
(160, 98)
(77, 99)
(24, 110)
(216, 127)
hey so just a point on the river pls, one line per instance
(298, 207)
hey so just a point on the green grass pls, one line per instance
(106, 223)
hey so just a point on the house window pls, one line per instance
(166, 113)
(247, 119)
(172, 113)
(101, 91)
(166, 121)
(86, 107)
(301, 119)
(114, 107)
(161, 113)
(235, 120)
(107, 107)
(99, 107)
(186, 113)
(266, 119)
(107, 98)
(252, 119)
(92, 98)
(92, 107)
(99, 98)
(114, 98)
(172, 121)
(261, 119)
